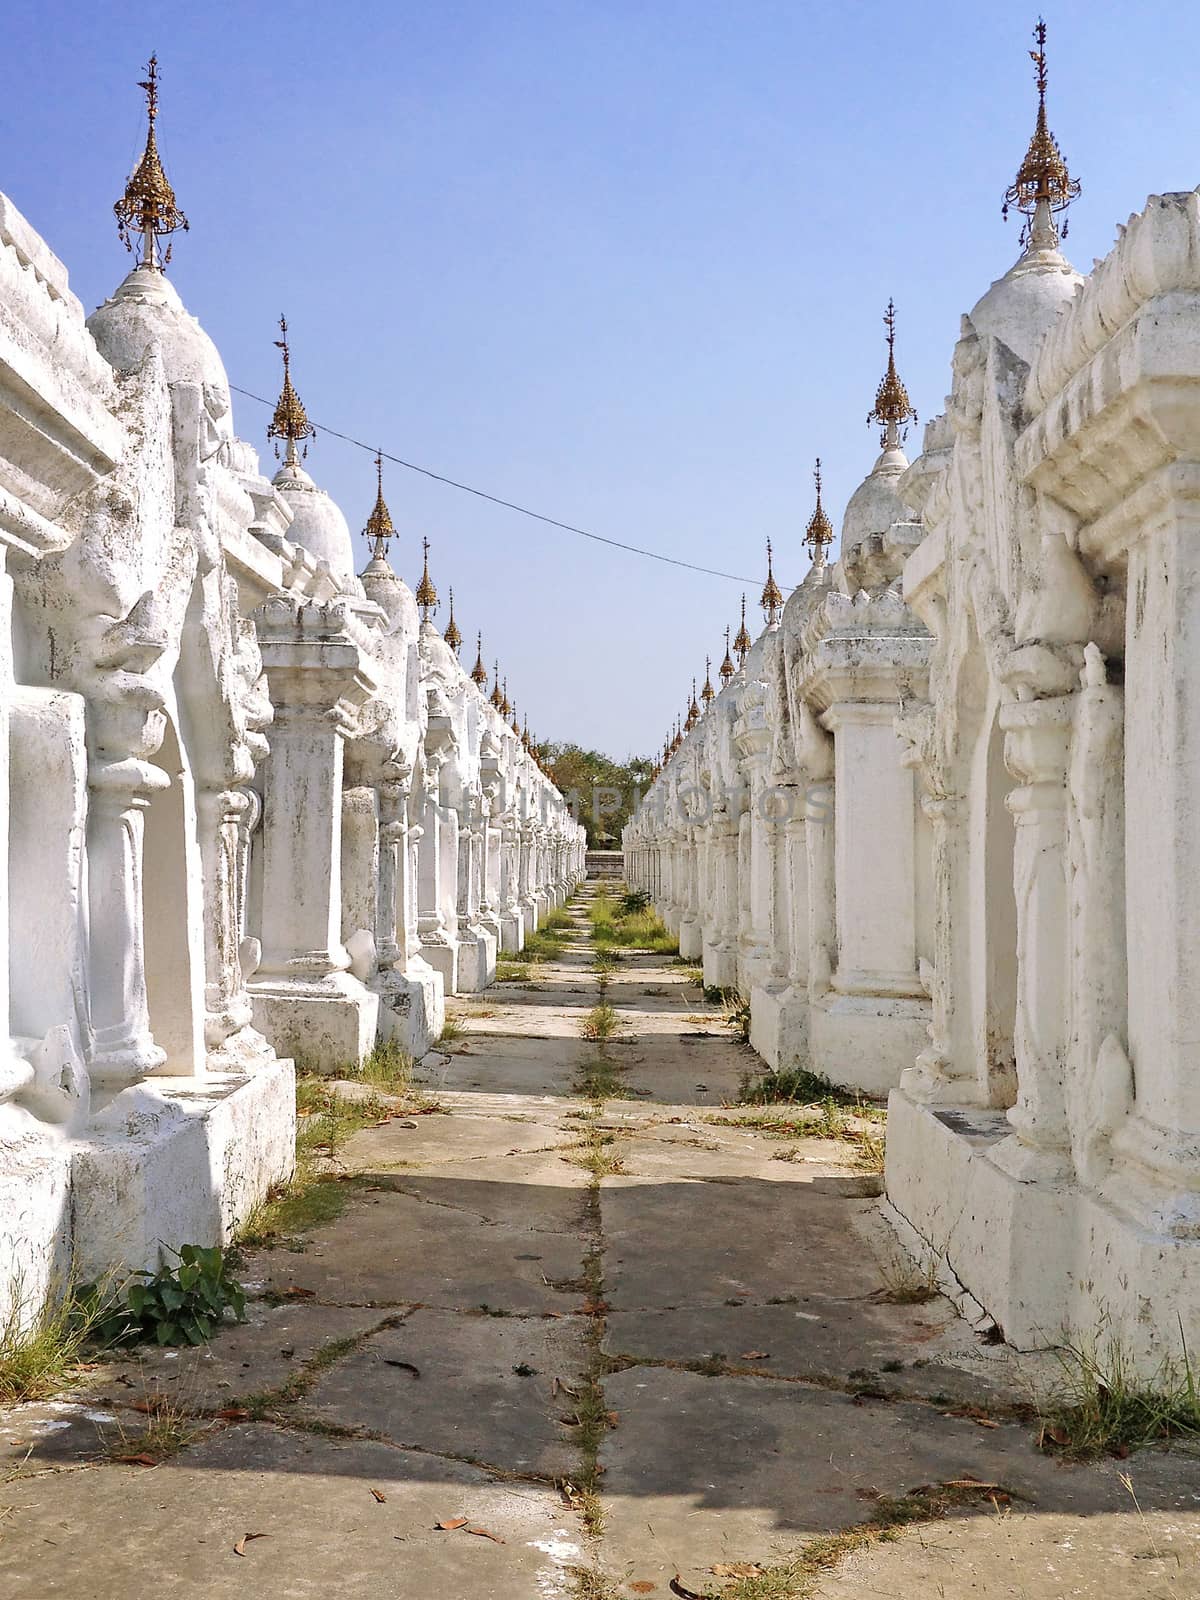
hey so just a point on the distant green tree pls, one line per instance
(601, 792)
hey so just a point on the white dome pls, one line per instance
(876, 503)
(318, 524)
(146, 309)
(392, 595)
(1020, 306)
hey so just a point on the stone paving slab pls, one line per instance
(1033, 1556)
(485, 1389)
(702, 1243)
(170, 1531)
(922, 1351)
(705, 1470)
(423, 1141)
(260, 1354)
(511, 1065)
(394, 1249)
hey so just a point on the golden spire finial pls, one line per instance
(1043, 185)
(494, 697)
(147, 210)
(772, 599)
(893, 409)
(504, 708)
(379, 528)
(290, 420)
(693, 710)
(726, 668)
(742, 640)
(525, 734)
(452, 636)
(516, 725)
(708, 692)
(479, 671)
(427, 595)
(818, 536)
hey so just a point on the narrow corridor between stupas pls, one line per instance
(583, 1329)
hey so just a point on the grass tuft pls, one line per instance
(641, 929)
(1102, 1406)
(601, 1022)
(42, 1351)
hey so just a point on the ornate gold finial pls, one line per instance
(726, 668)
(380, 528)
(893, 409)
(147, 210)
(516, 725)
(742, 640)
(452, 636)
(1043, 183)
(708, 692)
(494, 697)
(504, 708)
(479, 671)
(818, 536)
(525, 734)
(772, 599)
(693, 711)
(290, 420)
(427, 595)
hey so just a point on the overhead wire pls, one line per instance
(512, 505)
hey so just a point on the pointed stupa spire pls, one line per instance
(147, 212)
(452, 636)
(525, 734)
(379, 529)
(290, 420)
(494, 697)
(427, 595)
(818, 536)
(726, 668)
(504, 708)
(1043, 185)
(893, 409)
(693, 710)
(479, 671)
(516, 722)
(772, 599)
(742, 640)
(708, 692)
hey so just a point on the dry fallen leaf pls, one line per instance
(643, 1586)
(984, 1422)
(449, 1525)
(736, 1569)
(380, 1496)
(239, 1548)
(139, 1460)
(756, 1355)
(486, 1533)
(293, 1292)
(233, 1414)
(405, 1366)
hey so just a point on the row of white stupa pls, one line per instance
(257, 810)
(940, 824)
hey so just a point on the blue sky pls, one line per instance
(623, 261)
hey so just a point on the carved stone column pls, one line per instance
(305, 1000)
(1037, 745)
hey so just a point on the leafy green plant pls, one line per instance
(635, 900)
(182, 1306)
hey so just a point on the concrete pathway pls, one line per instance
(610, 1341)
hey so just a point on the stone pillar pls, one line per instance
(305, 1000)
(124, 1048)
(1037, 744)
(875, 831)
